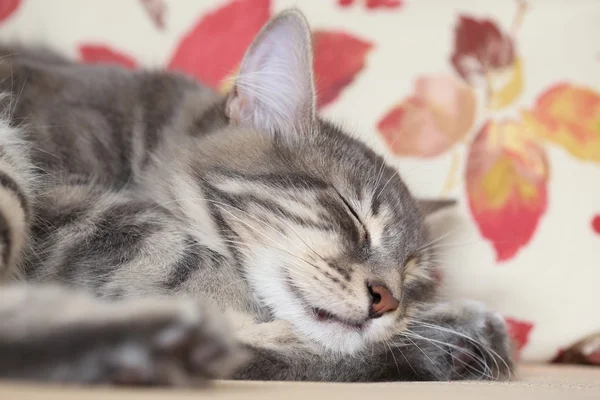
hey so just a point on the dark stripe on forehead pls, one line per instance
(279, 182)
(339, 215)
(245, 200)
(213, 197)
(283, 181)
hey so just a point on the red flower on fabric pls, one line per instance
(371, 4)
(100, 54)
(519, 332)
(438, 114)
(507, 185)
(338, 58)
(480, 46)
(213, 49)
(596, 223)
(485, 56)
(8, 7)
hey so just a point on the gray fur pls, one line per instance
(146, 187)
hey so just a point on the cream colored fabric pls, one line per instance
(526, 236)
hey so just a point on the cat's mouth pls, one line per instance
(325, 316)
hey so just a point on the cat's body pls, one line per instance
(168, 202)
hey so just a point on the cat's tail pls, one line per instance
(16, 185)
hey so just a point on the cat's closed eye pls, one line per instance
(364, 232)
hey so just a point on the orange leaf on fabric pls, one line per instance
(100, 54)
(506, 181)
(569, 116)
(338, 58)
(384, 3)
(8, 7)
(214, 48)
(519, 332)
(439, 114)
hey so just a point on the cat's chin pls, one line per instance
(326, 330)
(333, 335)
(331, 331)
(339, 335)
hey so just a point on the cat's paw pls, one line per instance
(473, 342)
(184, 346)
(144, 342)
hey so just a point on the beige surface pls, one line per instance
(552, 282)
(536, 382)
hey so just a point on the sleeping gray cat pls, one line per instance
(139, 211)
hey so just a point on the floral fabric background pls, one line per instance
(492, 102)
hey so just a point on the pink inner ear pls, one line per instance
(236, 106)
(274, 88)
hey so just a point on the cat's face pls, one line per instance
(331, 239)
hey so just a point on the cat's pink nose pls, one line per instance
(383, 301)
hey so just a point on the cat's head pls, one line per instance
(330, 236)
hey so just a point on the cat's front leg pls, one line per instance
(279, 353)
(456, 341)
(451, 341)
(50, 333)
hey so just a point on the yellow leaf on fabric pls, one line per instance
(502, 180)
(568, 116)
(497, 183)
(506, 178)
(505, 85)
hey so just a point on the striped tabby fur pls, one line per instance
(138, 210)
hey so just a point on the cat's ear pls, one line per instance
(274, 90)
(431, 206)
